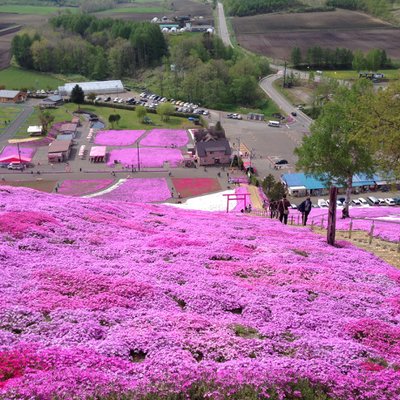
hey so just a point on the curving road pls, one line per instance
(266, 83)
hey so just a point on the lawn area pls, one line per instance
(129, 119)
(60, 115)
(17, 78)
(134, 10)
(35, 10)
(391, 74)
(268, 107)
(8, 113)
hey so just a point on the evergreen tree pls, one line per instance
(77, 95)
(295, 57)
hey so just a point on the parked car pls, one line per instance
(293, 206)
(382, 202)
(281, 162)
(107, 99)
(363, 202)
(294, 113)
(355, 202)
(339, 203)
(342, 199)
(322, 203)
(373, 201)
(15, 166)
(390, 202)
(397, 201)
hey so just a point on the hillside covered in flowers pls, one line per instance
(109, 300)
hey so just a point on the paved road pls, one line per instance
(12, 129)
(222, 28)
(267, 86)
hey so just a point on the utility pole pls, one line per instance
(331, 231)
(138, 157)
(284, 75)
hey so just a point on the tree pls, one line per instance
(165, 110)
(277, 191)
(114, 119)
(373, 60)
(359, 63)
(45, 119)
(331, 152)
(378, 125)
(295, 57)
(77, 95)
(141, 112)
(267, 183)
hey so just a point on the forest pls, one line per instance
(378, 8)
(92, 47)
(241, 8)
(340, 58)
(200, 69)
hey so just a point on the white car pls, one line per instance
(15, 166)
(355, 202)
(322, 203)
(339, 204)
(116, 100)
(390, 202)
(382, 202)
(363, 202)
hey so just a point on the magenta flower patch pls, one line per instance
(140, 190)
(150, 157)
(102, 299)
(166, 138)
(118, 137)
(12, 150)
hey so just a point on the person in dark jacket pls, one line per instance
(305, 209)
(283, 209)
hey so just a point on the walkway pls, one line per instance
(13, 128)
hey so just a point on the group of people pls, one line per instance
(280, 209)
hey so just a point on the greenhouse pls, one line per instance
(100, 87)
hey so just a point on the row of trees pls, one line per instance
(379, 8)
(251, 7)
(357, 132)
(203, 71)
(91, 47)
(340, 58)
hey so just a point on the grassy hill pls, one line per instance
(112, 300)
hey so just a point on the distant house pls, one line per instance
(12, 96)
(213, 152)
(52, 101)
(68, 129)
(59, 151)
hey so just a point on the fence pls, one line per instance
(373, 227)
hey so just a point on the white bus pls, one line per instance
(275, 124)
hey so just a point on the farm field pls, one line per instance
(33, 10)
(17, 78)
(156, 9)
(276, 35)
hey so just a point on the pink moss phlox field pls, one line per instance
(117, 137)
(166, 137)
(386, 220)
(150, 157)
(240, 204)
(99, 297)
(83, 187)
(140, 190)
(12, 150)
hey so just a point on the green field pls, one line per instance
(391, 74)
(34, 10)
(128, 120)
(134, 10)
(17, 78)
(8, 113)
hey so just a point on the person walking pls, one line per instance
(305, 209)
(283, 209)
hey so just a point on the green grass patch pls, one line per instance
(17, 78)
(134, 10)
(60, 114)
(34, 10)
(8, 113)
(129, 119)
(391, 74)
